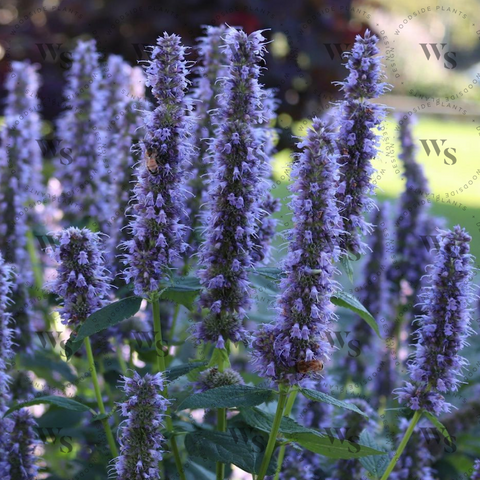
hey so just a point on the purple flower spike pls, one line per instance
(156, 232)
(444, 326)
(295, 347)
(82, 173)
(82, 281)
(357, 143)
(238, 164)
(23, 442)
(476, 470)
(140, 437)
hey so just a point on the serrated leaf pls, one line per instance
(229, 396)
(102, 319)
(374, 464)
(244, 448)
(184, 291)
(324, 398)
(180, 370)
(61, 402)
(347, 267)
(345, 300)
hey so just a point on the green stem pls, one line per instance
(172, 330)
(272, 439)
(288, 410)
(221, 426)
(108, 390)
(121, 360)
(98, 395)
(403, 444)
(157, 329)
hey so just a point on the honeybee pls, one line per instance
(151, 163)
(313, 366)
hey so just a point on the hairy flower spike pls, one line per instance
(82, 172)
(296, 347)
(238, 160)
(22, 445)
(476, 470)
(140, 437)
(357, 143)
(444, 326)
(213, 378)
(82, 281)
(156, 232)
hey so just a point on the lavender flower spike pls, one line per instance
(82, 279)
(293, 348)
(140, 435)
(23, 442)
(157, 234)
(357, 143)
(476, 470)
(444, 326)
(226, 254)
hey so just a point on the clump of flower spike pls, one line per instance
(82, 281)
(416, 460)
(372, 291)
(353, 424)
(82, 173)
(213, 378)
(226, 254)
(357, 142)
(23, 128)
(296, 347)
(211, 67)
(436, 367)
(22, 445)
(140, 437)
(155, 228)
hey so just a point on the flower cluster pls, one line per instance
(82, 281)
(416, 460)
(356, 141)
(444, 325)
(476, 470)
(156, 232)
(213, 378)
(140, 435)
(82, 171)
(295, 347)
(234, 180)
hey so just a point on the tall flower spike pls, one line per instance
(82, 174)
(372, 292)
(436, 367)
(476, 470)
(295, 347)
(140, 437)
(23, 128)
(357, 142)
(212, 61)
(82, 281)
(157, 234)
(23, 442)
(416, 460)
(226, 254)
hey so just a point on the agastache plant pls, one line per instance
(82, 172)
(295, 348)
(436, 366)
(476, 470)
(140, 437)
(233, 185)
(357, 141)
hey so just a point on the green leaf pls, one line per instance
(244, 448)
(323, 397)
(440, 426)
(269, 272)
(345, 300)
(62, 402)
(333, 447)
(183, 291)
(102, 319)
(347, 266)
(219, 356)
(229, 396)
(44, 364)
(180, 370)
(374, 464)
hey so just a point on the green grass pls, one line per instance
(460, 208)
